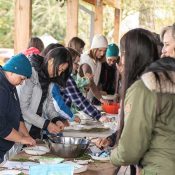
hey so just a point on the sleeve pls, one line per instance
(49, 111)
(113, 137)
(139, 122)
(59, 103)
(25, 93)
(21, 117)
(5, 128)
(79, 100)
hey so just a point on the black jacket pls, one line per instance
(10, 113)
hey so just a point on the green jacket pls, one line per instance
(148, 137)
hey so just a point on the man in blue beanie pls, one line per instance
(109, 75)
(12, 127)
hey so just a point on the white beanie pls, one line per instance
(99, 41)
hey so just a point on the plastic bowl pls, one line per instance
(111, 108)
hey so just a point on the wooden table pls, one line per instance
(94, 168)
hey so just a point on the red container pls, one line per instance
(111, 108)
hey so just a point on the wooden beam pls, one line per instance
(116, 25)
(23, 17)
(98, 23)
(112, 3)
(92, 2)
(72, 19)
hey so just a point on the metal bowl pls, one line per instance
(68, 147)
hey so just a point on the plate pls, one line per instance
(109, 97)
(50, 160)
(9, 172)
(36, 150)
(100, 158)
(77, 168)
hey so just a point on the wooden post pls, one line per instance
(116, 25)
(72, 19)
(23, 17)
(98, 23)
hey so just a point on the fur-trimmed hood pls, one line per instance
(165, 86)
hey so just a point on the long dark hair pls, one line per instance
(138, 46)
(50, 47)
(60, 55)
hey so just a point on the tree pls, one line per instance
(6, 23)
(153, 14)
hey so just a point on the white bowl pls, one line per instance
(109, 97)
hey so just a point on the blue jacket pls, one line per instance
(60, 102)
(10, 113)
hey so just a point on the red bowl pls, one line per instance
(111, 108)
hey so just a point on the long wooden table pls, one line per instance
(94, 168)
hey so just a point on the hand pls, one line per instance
(104, 101)
(77, 119)
(89, 76)
(120, 67)
(28, 140)
(54, 128)
(102, 143)
(66, 123)
(60, 124)
(104, 119)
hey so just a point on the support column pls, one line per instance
(72, 19)
(98, 23)
(116, 25)
(23, 24)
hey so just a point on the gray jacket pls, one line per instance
(30, 94)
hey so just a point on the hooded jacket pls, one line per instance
(30, 96)
(148, 137)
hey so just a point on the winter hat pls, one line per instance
(99, 41)
(19, 64)
(30, 51)
(112, 50)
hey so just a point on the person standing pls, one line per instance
(90, 62)
(77, 44)
(12, 127)
(168, 38)
(109, 74)
(147, 107)
(36, 102)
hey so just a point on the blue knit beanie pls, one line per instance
(112, 50)
(19, 64)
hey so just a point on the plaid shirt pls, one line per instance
(71, 94)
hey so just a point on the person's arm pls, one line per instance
(16, 137)
(87, 70)
(7, 132)
(26, 96)
(112, 139)
(79, 100)
(59, 103)
(49, 110)
(139, 123)
(23, 130)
